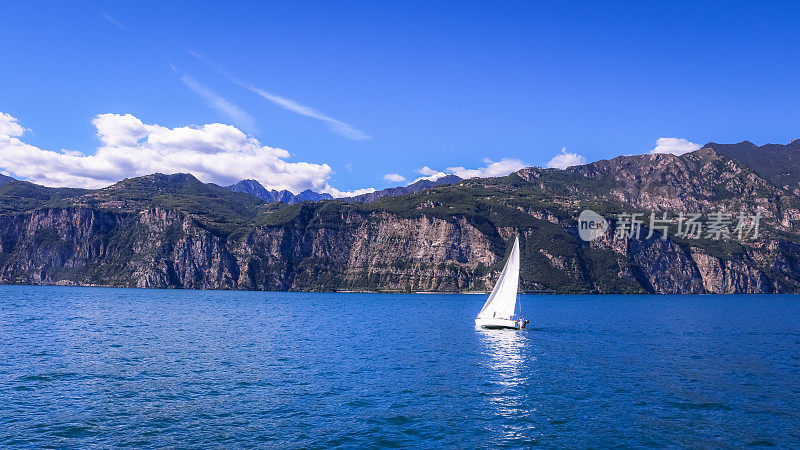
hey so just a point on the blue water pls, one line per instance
(116, 367)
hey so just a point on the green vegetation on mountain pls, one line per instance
(175, 231)
(216, 208)
(22, 196)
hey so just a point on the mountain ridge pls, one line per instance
(403, 190)
(175, 231)
(777, 163)
(253, 187)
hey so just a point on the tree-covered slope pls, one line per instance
(22, 196)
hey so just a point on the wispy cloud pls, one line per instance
(240, 117)
(221, 104)
(337, 126)
(113, 21)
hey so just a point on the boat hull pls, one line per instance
(496, 324)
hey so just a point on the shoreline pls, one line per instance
(352, 291)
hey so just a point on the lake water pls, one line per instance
(115, 367)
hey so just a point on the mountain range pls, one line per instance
(253, 187)
(403, 190)
(175, 231)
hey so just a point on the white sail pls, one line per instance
(503, 300)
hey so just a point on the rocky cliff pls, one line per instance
(173, 231)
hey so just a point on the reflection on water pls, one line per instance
(505, 350)
(507, 353)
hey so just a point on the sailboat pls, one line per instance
(498, 311)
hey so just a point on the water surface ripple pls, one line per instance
(152, 368)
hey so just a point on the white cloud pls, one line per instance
(429, 174)
(335, 125)
(394, 177)
(214, 152)
(676, 146)
(492, 169)
(340, 194)
(564, 160)
(427, 171)
(9, 126)
(214, 100)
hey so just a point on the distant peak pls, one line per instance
(248, 182)
(253, 187)
(175, 178)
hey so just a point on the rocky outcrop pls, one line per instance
(730, 277)
(367, 250)
(698, 182)
(155, 248)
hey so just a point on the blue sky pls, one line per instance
(394, 87)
